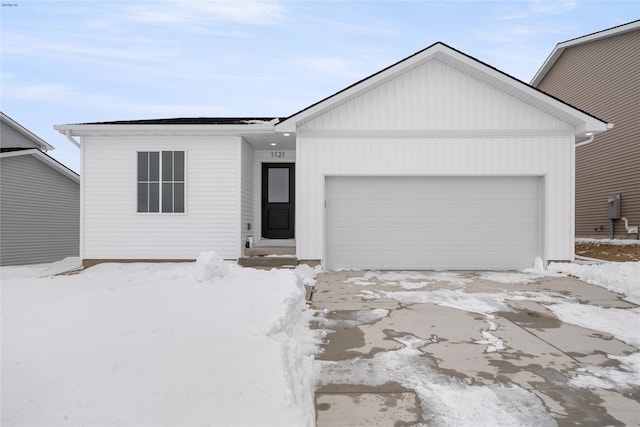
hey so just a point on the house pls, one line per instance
(599, 73)
(437, 161)
(39, 200)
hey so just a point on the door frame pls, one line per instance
(263, 189)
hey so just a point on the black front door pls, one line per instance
(278, 197)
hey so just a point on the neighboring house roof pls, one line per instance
(41, 143)
(585, 124)
(43, 157)
(560, 47)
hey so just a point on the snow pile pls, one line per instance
(208, 266)
(621, 277)
(626, 377)
(146, 344)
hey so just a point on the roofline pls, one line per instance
(96, 129)
(26, 132)
(285, 125)
(45, 158)
(560, 47)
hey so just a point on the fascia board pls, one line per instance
(106, 129)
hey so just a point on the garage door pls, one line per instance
(463, 223)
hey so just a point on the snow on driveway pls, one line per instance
(148, 344)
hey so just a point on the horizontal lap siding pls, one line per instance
(114, 230)
(551, 157)
(11, 138)
(40, 211)
(601, 77)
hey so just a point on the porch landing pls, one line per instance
(269, 257)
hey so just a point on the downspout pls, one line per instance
(76, 143)
(579, 144)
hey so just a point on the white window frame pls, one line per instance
(159, 151)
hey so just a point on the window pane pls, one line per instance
(167, 197)
(143, 197)
(278, 185)
(167, 165)
(154, 198)
(178, 165)
(154, 165)
(143, 166)
(178, 197)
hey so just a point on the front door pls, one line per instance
(278, 197)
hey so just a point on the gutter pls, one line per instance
(591, 135)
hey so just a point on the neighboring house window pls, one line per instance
(161, 181)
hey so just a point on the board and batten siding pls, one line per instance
(434, 120)
(550, 158)
(212, 202)
(601, 77)
(432, 96)
(40, 212)
(247, 191)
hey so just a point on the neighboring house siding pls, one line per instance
(602, 77)
(212, 200)
(550, 157)
(40, 212)
(247, 192)
(11, 138)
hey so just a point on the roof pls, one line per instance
(43, 157)
(193, 121)
(560, 47)
(582, 121)
(41, 143)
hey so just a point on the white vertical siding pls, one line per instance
(112, 229)
(548, 157)
(433, 96)
(247, 192)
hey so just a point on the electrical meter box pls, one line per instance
(614, 206)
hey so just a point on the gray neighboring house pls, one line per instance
(39, 200)
(599, 73)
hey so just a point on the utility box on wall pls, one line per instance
(614, 206)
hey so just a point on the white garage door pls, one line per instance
(460, 223)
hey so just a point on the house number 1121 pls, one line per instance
(278, 154)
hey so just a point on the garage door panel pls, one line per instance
(432, 222)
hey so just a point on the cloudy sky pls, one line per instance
(85, 61)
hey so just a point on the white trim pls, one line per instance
(44, 158)
(560, 47)
(432, 133)
(164, 129)
(260, 157)
(26, 132)
(135, 175)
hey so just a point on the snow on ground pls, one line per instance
(620, 277)
(619, 242)
(148, 344)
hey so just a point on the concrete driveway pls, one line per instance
(481, 348)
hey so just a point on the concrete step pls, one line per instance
(268, 261)
(270, 250)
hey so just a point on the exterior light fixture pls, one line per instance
(286, 134)
(273, 144)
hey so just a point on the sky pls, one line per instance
(85, 61)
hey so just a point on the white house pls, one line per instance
(438, 161)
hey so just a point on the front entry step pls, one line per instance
(269, 257)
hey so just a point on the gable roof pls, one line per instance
(560, 47)
(41, 143)
(193, 121)
(582, 121)
(44, 158)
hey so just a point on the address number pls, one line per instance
(277, 154)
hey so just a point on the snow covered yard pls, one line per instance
(149, 344)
